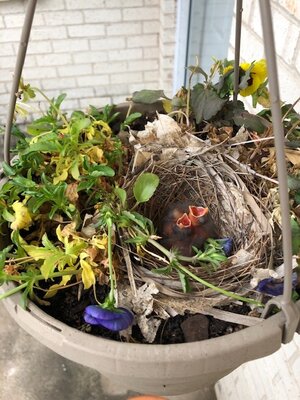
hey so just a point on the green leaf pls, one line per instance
(184, 281)
(101, 170)
(44, 146)
(79, 125)
(121, 194)
(147, 96)
(295, 236)
(205, 102)
(131, 118)
(198, 70)
(145, 186)
(163, 270)
(7, 216)
(251, 121)
(7, 169)
(3, 255)
(293, 182)
(38, 127)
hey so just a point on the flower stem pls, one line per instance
(111, 297)
(186, 271)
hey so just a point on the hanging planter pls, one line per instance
(121, 224)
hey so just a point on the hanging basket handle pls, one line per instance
(30, 10)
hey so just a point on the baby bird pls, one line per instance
(185, 226)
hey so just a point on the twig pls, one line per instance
(251, 141)
(250, 170)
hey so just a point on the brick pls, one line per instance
(105, 67)
(10, 62)
(108, 43)
(69, 104)
(151, 2)
(119, 99)
(140, 13)
(126, 3)
(124, 28)
(79, 92)
(83, 5)
(38, 47)
(86, 30)
(47, 33)
(12, 7)
(94, 101)
(54, 59)
(152, 76)
(114, 90)
(17, 20)
(90, 56)
(128, 54)
(150, 53)
(168, 36)
(40, 72)
(3, 88)
(6, 75)
(140, 86)
(6, 49)
(63, 18)
(286, 35)
(292, 6)
(93, 80)
(128, 77)
(50, 5)
(102, 15)
(10, 35)
(70, 45)
(143, 65)
(59, 83)
(169, 50)
(74, 70)
(151, 26)
(142, 41)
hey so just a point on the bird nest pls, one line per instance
(233, 199)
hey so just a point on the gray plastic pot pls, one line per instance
(187, 371)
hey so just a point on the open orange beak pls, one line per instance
(184, 222)
(195, 213)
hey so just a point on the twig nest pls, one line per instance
(204, 178)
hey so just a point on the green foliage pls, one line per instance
(205, 102)
(148, 96)
(145, 186)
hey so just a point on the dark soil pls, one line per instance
(179, 329)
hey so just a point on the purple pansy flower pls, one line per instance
(116, 320)
(274, 287)
(227, 245)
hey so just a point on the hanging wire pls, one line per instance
(238, 31)
(285, 301)
(17, 75)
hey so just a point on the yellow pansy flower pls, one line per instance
(22, 216)
(258, 75)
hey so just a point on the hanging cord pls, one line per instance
(17, 75)
(289, 308)
(238, 30)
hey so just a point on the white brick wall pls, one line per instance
(286, 22)
(96, 51)
(277, 376)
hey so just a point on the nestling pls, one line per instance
(185, 226)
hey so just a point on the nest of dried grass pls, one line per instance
(236, 208)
